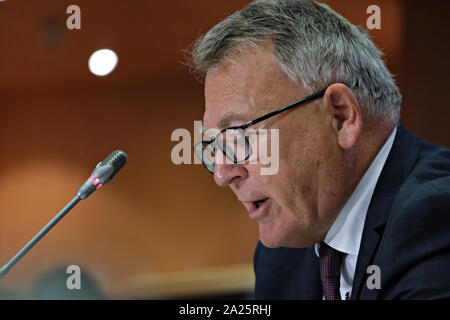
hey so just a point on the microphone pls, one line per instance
(101, 175)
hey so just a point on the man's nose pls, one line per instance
(226, 174)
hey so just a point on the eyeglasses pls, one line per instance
(233, 141)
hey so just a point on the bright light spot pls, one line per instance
(103, 62)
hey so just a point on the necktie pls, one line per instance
(330, 271)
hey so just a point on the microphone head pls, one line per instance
(117, 159)
(103, 173)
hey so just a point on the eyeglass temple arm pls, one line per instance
(289, 106)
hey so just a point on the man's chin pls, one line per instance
(270, 245)
(269, 236)
(272, 237)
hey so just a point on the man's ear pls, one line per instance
(345, 114)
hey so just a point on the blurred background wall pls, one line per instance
(57, 120)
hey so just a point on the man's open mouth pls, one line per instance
(259, 203)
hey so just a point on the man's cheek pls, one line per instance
(273, 158)
(265, 154)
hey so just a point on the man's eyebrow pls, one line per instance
(230, 116)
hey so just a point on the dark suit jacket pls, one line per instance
(406, 234)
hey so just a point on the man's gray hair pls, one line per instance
(313, 45)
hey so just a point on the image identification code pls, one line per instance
(226, 309)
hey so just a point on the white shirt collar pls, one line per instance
(346, 231)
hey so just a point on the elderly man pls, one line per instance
(360, 207)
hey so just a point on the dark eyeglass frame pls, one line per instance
(255, 121)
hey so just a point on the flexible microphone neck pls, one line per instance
(5, 269)
(102, 174)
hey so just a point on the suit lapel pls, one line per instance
(397, 168)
